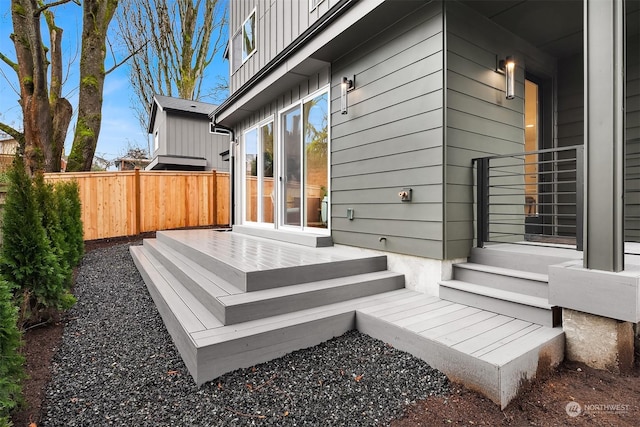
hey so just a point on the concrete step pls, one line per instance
(524, 282)
(523, 257)
(230, 305)
(253, 264)
(526, 307)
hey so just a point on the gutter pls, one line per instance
(231, 151)
(323, 22)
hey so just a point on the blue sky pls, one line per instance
(120, 127)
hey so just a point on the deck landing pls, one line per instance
(219, 327)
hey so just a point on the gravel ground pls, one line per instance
(117, 366)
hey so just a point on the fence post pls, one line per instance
(482, 201)
(213, 195)
(136, 198)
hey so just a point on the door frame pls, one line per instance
(281, 182)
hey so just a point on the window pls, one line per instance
(249, 36)
(313, 4)
(243, 42)
(155, 141)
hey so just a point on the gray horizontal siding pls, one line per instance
(479, 120)
(391, 138)
(632, 171)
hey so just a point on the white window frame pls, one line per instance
(259, 207)
(245, 57)
(279, 211)
(313, 4)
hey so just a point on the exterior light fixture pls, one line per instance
(508, 65)
(346, 86)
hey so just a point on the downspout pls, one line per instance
(232, 139)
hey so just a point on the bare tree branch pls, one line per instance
(131, 55)
(12, 132)
(55, 3)
(9, 62)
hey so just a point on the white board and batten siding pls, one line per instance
(479, 121)
(391, 138)
(278, 23)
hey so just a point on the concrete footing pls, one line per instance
(597, 341)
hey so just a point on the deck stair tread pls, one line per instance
(212, 284)
(498, 293)
(253, 263)
(192, 314)
(487, 350)
(509, 272)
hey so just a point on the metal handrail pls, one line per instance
(509, 207)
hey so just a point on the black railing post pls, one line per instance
(482, 205)
(579, 195)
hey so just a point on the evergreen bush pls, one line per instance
(68, 203)
(11, 361)
(48, 206)
(28, 262)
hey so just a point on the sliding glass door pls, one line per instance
(259, 191)
(304, 174)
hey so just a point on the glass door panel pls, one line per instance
(291, 164)
(268, 193)
(315, 138)
(251, 175)
(531, 143)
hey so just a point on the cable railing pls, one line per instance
(532, 197)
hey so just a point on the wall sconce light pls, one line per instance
(346, 86)
(508, 65)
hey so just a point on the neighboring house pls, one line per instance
(8, 149)
(488, 148)
(183, 138)
(129, 164)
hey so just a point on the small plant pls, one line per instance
(11, 361)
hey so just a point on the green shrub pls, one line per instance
(47, 205)
(11, 361)
(28, 261)
(68, 203)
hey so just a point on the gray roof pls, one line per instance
(179, 105)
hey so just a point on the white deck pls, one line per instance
(487, 351)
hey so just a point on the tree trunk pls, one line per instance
(45, 119)
(97, 15)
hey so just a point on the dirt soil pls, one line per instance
(599, 398)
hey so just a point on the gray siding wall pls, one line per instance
(190, 136)
(279, 22)
(570, 109)
(480, 121)
(392, 137)
(632, 182)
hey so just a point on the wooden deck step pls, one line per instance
(523, 257)
(297, 237)
(488, 352)
(231, 305)
(524, 282)
(526, 307)
(253, 263)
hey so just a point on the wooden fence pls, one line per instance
(132, 202)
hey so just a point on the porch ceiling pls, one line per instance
(552, 26)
